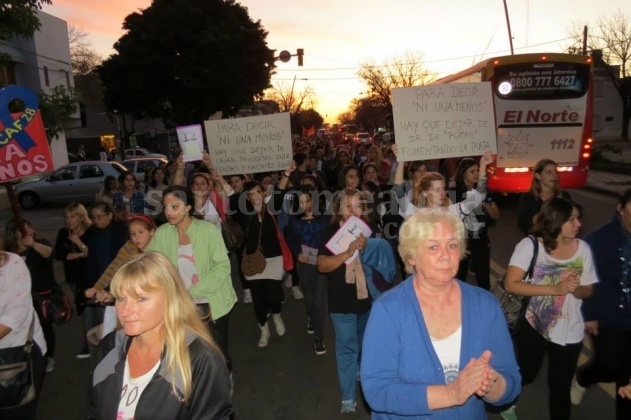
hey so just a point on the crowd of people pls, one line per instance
(152, 282)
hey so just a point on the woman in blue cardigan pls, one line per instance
(434, 346)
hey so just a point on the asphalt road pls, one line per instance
(286, 380)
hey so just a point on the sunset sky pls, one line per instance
(339, 35)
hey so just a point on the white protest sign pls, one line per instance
(191, 141)
(444, 121)
(251, 144)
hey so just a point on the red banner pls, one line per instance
(24, 147)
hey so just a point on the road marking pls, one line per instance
(498, 271)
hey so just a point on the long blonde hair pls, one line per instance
(153, 271)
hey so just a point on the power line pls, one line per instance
(428, 61)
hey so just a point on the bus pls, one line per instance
(543, 109)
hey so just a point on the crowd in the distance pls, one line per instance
(150, 267)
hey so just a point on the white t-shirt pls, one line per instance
(557, 318)
(448, 351)
(132, 389)
(187, 268)
(209, 211)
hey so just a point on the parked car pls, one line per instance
(140, 165)
(76, 182)
(363, 138)
(140, 152)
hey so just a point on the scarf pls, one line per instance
(355, 275)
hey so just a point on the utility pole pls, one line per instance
(510, 35)
(585, 40)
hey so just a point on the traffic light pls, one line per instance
(300, 52)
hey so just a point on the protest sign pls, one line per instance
(191, 141)
(24, 146)
(444, 121)
(251, 144)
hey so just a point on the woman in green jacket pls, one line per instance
(197, 249)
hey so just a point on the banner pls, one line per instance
(24, 146)
(308, 132)
(444, 121)
(251, 144)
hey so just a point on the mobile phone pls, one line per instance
(489, 199)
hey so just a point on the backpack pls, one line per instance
(54, 306)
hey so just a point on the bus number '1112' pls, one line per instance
(562, 144)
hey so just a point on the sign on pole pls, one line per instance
(24, 146)
(444, 121)
(251, 144)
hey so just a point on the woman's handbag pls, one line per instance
(232, 235)
(254, 263)
(17, 386)
(54, 306)
(514, 306)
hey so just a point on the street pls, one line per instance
(286, 380)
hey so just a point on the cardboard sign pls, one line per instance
(444, 121)
(24, 147)
(251, 144)
(191, 141)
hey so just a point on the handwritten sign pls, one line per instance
(251, 144)
(444, 121)
(191, 142)
(23, 144)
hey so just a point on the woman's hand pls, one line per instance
(468, 382)
(591, 327)
(625, 391)
(28, 241)
(104, 297)
(292, 167)
(303, 258)
(486, 159)
(358, 244)
(179, 162)
(567, 286)
(89, 293)
(395, 150)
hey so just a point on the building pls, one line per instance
(607, 102)
(40, 63)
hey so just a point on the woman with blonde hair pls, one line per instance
(163, 352)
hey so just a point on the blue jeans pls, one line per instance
(349, 334)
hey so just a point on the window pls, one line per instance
(46, 80)
(65, 174)
(609, 119)
(145, 165)
(90, 171)
(129, 165)
(67, 77)
(7, 74)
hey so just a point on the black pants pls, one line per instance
(531, 348)
(267, 296)
(314, 288)
(28, 411)
(244, 283)
(480, 259)
(218, 329)
(611, 363)
(49, 333)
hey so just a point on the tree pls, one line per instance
(395, 72)
(56, 107)
(612, 37)
(368, 113)
(292, 101)
(83, 57)
(306, 118)
(183, 60)
(19, 18)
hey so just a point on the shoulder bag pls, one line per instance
(17, 385)
(254, 263)
(54, 306)
(514, 306)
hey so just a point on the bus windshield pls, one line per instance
(541, 80)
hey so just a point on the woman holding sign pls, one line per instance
(433, 193)
(348, 297)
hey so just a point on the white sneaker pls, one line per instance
(50, 364)
(279, 324)
(288, 280)
(247, 296)
(263, 340)
(577, 392)
(297, 293)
